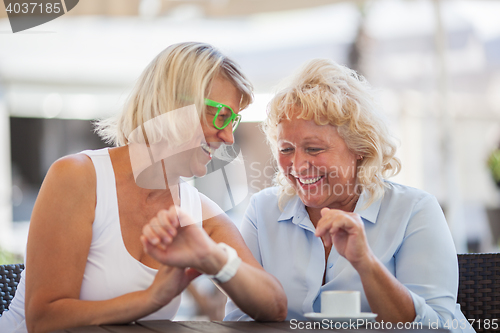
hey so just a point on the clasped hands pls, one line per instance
(184, 252)
(166, 241)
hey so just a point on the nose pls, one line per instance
(226, 135)
(299, 162)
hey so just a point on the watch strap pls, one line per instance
(230, 268)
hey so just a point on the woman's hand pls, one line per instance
(170, 282)
(166, 241)
(385, 294)
(346, 232)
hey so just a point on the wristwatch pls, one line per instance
(229, 270)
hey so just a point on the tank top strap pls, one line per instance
(107, 205)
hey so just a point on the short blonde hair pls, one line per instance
(180, 75)
(333, 94)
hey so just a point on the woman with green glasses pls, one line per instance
(115, 236)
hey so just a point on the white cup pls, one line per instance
(341, 303)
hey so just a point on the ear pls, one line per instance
(359, 157)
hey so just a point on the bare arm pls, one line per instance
(58, 244)
(385, 294)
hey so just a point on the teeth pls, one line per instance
(310, 180)
(207, 148)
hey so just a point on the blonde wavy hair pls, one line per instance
(179, 76)
(333, 94)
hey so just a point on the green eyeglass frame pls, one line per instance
(221, 122)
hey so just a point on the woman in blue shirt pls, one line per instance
(334, 222)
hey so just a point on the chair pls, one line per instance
(479, 288)
(9, 279)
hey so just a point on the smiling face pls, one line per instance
(222, 91)
(318, 164)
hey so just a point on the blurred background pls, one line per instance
(435, 65)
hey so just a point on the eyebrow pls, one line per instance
(313, 137)
(307, 138)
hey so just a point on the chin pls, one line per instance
(312, 202)
(200, 171)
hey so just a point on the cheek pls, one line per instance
(204, 127)
(208, 131)
(283, 162)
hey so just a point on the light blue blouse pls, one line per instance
(406, 230)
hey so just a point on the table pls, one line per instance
(160, 326)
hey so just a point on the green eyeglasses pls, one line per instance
(224, 115)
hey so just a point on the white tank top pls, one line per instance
(110, 270)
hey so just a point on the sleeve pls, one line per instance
(249, 232)
(426, 263)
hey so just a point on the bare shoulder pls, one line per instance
(65, 207)
(78, 166)
(70, 183)
(73, 172)
(68, 193)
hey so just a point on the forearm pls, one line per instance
(257, 293)
(386, 296)
(252, 289)
(68, 312)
